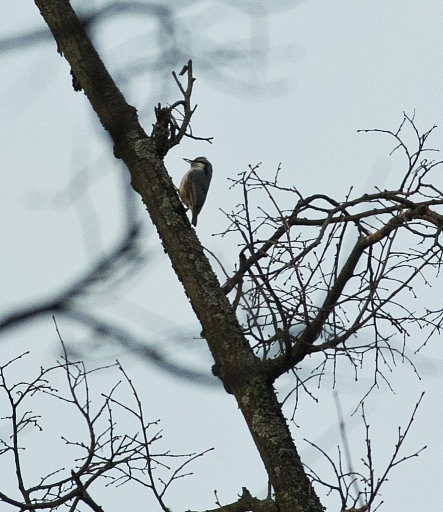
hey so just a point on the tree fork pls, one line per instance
(239, 368)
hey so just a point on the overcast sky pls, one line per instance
(311, 75)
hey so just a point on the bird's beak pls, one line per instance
(187, 160)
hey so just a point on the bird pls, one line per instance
(195, 184)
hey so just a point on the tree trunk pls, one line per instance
(241, 372)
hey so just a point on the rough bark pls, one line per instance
(236, 365)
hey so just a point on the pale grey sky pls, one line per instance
(333, 68)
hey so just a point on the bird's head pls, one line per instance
(200, 162)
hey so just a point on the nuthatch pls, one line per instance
(195, 184)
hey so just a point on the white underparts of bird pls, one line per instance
(195, 185)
